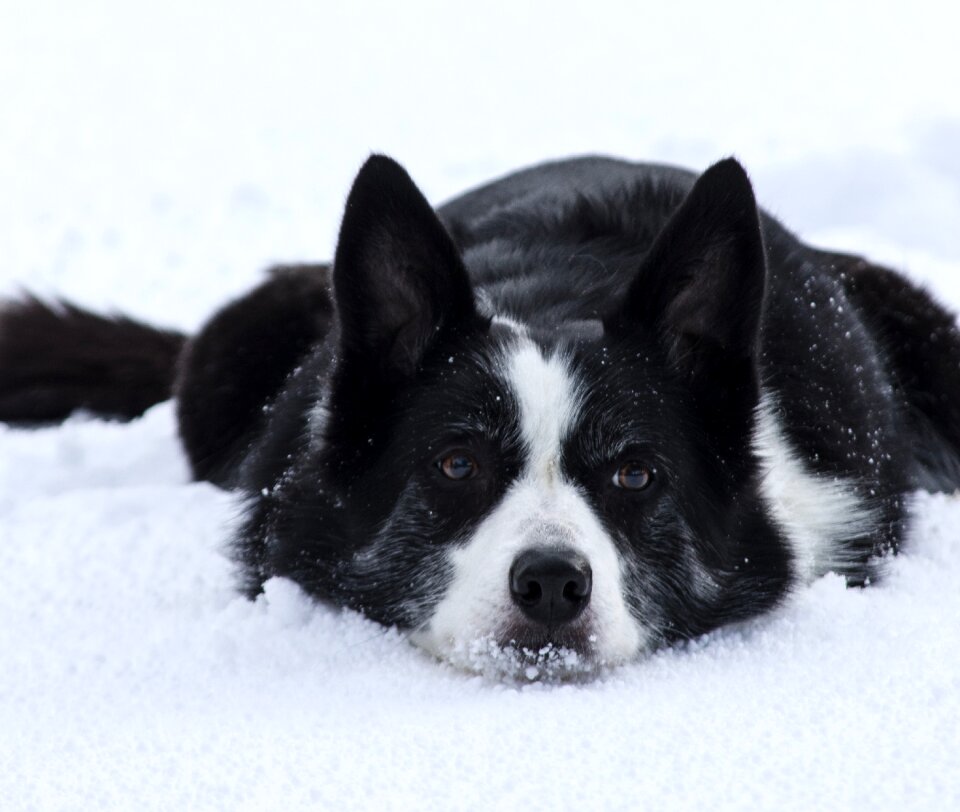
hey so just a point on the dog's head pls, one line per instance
(567, 494)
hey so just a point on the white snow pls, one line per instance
(153, 160)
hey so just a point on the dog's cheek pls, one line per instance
(475, 602)
(406, 567)
(397, 579)
(663, 577)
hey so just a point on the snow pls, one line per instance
(154, 160)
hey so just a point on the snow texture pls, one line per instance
(153, 159)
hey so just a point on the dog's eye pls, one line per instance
(458, 466)
(633, 476)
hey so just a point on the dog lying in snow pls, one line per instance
(584, 410)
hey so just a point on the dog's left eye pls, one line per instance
(458, 466)
(633, 476)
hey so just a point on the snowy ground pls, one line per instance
(154, 161)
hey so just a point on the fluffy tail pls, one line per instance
(57, 358)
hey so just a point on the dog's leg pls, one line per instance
(234, 368)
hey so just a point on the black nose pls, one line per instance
(550, 586)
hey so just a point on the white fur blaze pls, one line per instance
(547, 399)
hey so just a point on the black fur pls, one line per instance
(59, 358)
(918, 339)
(679, 307)
(239, 361)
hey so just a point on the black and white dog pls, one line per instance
(585, 410)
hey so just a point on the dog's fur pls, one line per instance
(579, 412)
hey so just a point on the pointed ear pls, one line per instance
(398, 278)
(702, 283)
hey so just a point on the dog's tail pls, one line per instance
(921, 340)
(57, 358)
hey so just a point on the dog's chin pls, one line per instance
(523, 654)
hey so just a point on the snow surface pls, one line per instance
(154, 160)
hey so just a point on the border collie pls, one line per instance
(580, 412)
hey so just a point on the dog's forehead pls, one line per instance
(578, 352)
(547, 397)
(576, 381)
(569, 384)
(545, 388)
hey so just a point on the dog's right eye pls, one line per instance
(633, 476)
(458, 466)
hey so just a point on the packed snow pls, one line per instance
(153, 161)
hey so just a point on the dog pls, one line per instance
(586, 410)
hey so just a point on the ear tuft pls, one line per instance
(702, 283)
(398, 277)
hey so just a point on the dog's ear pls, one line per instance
(701, 285)
(398, 278)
